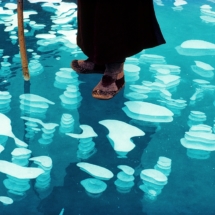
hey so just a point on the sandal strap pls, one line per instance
(108, 80)
(120, 82)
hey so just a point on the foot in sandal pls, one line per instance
(111, 83)
(87, 67)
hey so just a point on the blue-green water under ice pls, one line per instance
(190, 188)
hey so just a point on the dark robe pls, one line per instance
(111, 30)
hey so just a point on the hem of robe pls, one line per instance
(107, 37)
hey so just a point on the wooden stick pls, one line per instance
(22, 40)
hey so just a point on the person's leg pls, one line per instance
(112, 81)
(85, 38)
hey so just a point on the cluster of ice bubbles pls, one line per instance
(18, 185)
(178, 4)
(18, 173)
(153, 179)
(207, 14)
(200, 139)
(94, 186)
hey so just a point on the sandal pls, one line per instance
(108, 87)
(97, 69)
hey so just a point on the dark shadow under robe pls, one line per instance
(111, 30)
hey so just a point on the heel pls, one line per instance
(97, 69)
